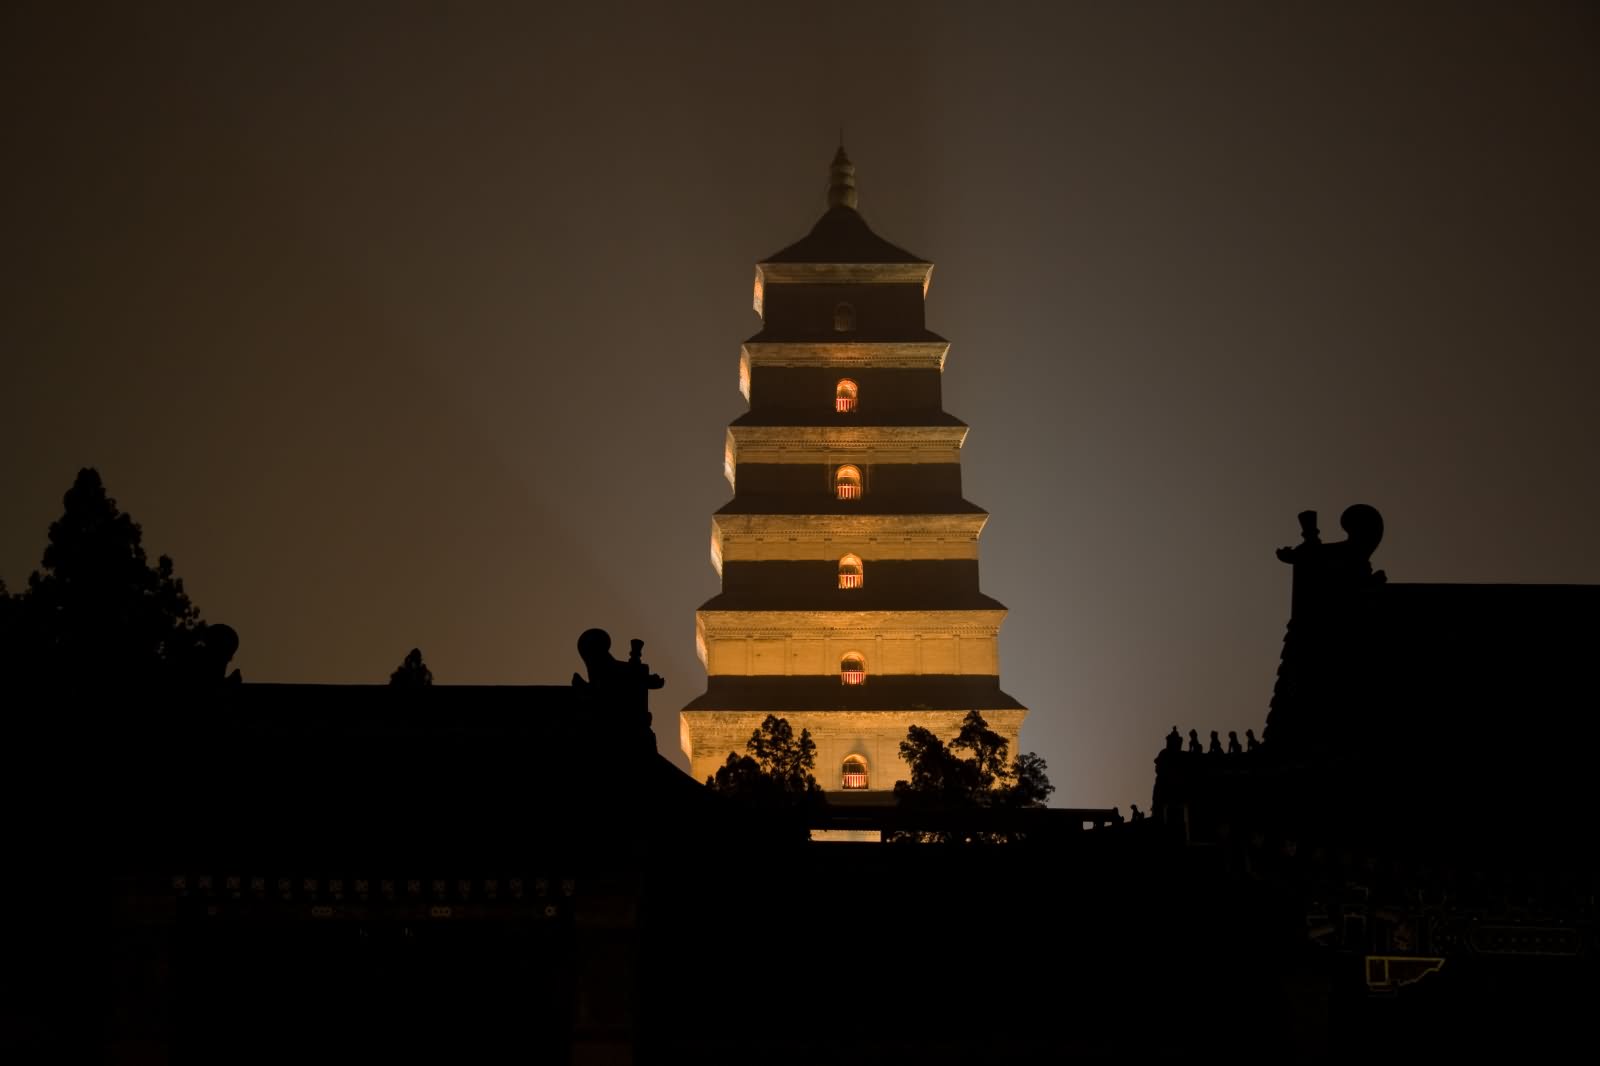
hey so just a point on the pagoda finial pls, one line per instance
(842, 179)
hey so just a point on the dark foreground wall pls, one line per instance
(265, 873)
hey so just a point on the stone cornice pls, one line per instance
(715, 723)
(756, 538)
(822, 444)
(915, 273)
(888, 354)
(834, 527)
(836, 436)
(865, 625)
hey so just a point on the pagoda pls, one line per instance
(849, 560)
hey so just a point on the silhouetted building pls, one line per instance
(205, 870)
(237, 872)
(1423, 791)
(1462, 700)
(850, 602)
(388, 873)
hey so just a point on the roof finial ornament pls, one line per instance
(842, 179)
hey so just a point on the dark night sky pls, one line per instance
(401, 325)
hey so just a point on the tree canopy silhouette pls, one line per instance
(944, 779)
(779, 769)
(413, 672)
(96, 611)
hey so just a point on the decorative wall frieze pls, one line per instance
(828, 445)
(719, 625)
(914, 355)
(917, 273)
(823, 526)
(758, 538)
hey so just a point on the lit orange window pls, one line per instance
(853, 669)
(844, 396)
(855, 772)
(847, 483)
(850, 572)
(844, 318)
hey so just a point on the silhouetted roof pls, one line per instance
(1434, 722)
(842, 236)
(271, 772)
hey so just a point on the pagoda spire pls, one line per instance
(842, 181)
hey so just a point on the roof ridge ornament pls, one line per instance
(842, 179)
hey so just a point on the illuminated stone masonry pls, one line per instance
(849, 560)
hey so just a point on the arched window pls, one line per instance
(844, 318)
(847, 483)
(853, 668)
(855, 772)
(850, 572)
(844, 396)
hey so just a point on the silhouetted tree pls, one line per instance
(938, 776)
(987, 748)
(96, 611)
(779, 769)
(942, 779)
(1030, 786)
(413, 672)
(12, 652)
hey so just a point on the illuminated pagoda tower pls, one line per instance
(849, 559)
